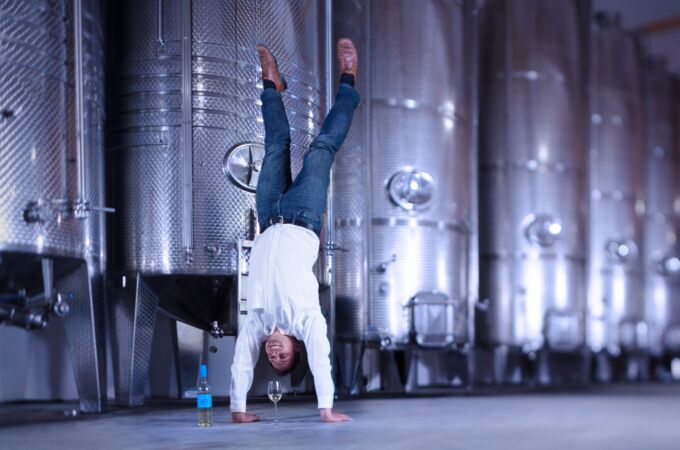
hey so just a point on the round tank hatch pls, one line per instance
(669, 266)
(543, 230)
(621, 251)
(242, 164)
(411, 189)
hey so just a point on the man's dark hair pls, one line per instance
(296, 362)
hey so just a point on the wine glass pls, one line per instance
(275, 393)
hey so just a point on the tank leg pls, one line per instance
(636, 367)
(190, 346)
(660, 369)
(133, 317)
(500, 364)
(602, 367)
(544, 368)
(518, 367)
(348, 366)
(455, 367)
(394, 370)
(85, 332)
(402, 362)
(471, 367)
(556, 368)
(484, 371)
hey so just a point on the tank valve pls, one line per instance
(382, 267)
(216, 330)
(212, 250)
(668, 266)
(61, 308)
(81, 209)
(37, 212)
(483, 304)
(6, 114)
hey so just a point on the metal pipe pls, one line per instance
(368, 141)
(161, 41)
(80, 101)
(186, 132)
(330, 216)
(12, 298)
(472, 19)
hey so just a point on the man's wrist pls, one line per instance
(238, 406)
(325, 401)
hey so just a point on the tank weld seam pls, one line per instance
(415, 105)
(214, 94)
(578, 257)
(531, 164)
(459, 226)
(230, 62)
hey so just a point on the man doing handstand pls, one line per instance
(283, 298)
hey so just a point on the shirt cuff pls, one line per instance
(238, 405)
(325, 401)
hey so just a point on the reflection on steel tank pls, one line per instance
(617, 325)
(662, 218)
(533, 188)
(405, 185)
(185, 146)
(52, 234)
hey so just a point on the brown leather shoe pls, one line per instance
(270, 69)
(348, 61)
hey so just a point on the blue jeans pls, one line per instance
(302, 201)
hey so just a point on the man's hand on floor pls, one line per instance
(328, 415)
(244, 417)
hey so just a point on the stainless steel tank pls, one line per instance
(404, 186)
(662, 224)
(185, 148)
(51, 181)
(532, 216)
(616, 290)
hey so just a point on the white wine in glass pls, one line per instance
(275, 393)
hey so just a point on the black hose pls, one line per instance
(23, 318)
(6, 298)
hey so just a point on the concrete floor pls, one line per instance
(613, 417)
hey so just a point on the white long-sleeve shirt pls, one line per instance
(283, 293)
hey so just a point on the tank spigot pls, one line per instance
(216, 330)
(81, 209)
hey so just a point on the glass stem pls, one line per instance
(276, 412)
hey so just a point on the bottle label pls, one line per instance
(204, 400)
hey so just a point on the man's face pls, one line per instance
(280, 350)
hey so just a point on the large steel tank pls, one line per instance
(532, 183)
(616, 289)
(661, 246)
(52, 252)
(404, 186)
(185, 148)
